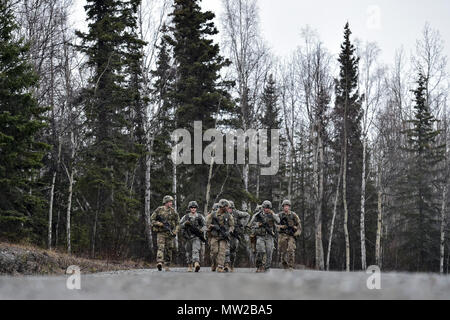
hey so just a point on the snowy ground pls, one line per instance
(243, 284)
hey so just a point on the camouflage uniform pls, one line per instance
(218, 245)
(251, 228)
(193, 244)
(264, 238)
(287, 240)
(238, 237)
(164, 239)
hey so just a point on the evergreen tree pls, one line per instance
(111, 156)
(419, 227)
(270, 120)
(347, 116)
(164, 75)
(21, 119)
(198, 93)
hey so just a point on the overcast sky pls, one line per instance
(390, 23)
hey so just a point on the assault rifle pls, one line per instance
(237, 233)
(289, 229)
(166, 225)
(223, 233)
(265, 224)
(196, 232)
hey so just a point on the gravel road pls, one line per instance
(243, 284)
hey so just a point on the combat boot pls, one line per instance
(159, 266)
(220, 269)
(232, 269)
(167, 269)
(197, 267)
(189, 268)
(226, 268)
(259, 270)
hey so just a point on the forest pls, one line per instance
(86, 118)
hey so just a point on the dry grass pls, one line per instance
(22, 259)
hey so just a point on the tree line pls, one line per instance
(86, 119)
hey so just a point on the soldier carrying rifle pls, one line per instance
(263, 224)
(165, 223)
(219, 224)
(192, 229)
(290, 229)
(237, 237)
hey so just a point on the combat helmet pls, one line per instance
(193, 204)
(167, 199)
(215, 207)
(267, 204)
(286, 203)
(224, 203)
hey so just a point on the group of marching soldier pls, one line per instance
(224, 229)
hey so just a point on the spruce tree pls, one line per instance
(198, 94)
(417, 190)
(347, 116)
(164, 75)
(270, 120)
(21, 120)
(111, 154)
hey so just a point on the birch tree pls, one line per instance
(371, 84)
(250, 62)
(316, 86)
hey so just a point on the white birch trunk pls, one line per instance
(363, 208)
(379, 220)
(257, 182)
(174, 190)
(318, 188)
(344, 199)
(443, 226)
(208, 187)
(52, 195)
(57, 228)
(291, 173)
(321, 186)
(333, 220)
(69, 201)
(245, 174)
(147, 212)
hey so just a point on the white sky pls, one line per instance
(400, 22)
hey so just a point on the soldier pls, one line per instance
(220, 224)
(264, 224)
(290, 229)
(251, 230)
(165, 223)
(214, 208)
(237, 237)
(192, 228)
